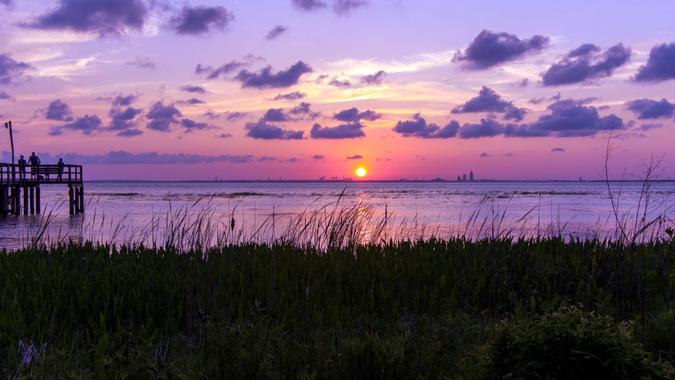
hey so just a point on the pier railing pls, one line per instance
(15, 174)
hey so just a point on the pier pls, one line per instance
(22, 182)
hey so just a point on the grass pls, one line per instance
(423, 309)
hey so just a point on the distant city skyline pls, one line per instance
(303, 89)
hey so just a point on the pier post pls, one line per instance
(32, 200)
(25, 200)
(4, 200)
(71, 203)
(37, 199)
(81, 199)
(17, 200)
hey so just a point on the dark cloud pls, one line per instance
(586, 63)
(567, 118)
(104, 17)
(276, 32)
(87, 124)
(265, 78)
(340, 83)
(558, 150)
(193, 89)
(318, 157)
(123, 121)
(145, 158)
(647, 127)
(162, 117)
(355, 157)
(144, 63)
(660, 66)
(346, 6)
(5, 96)
(343, 131)
(232, 116)
(485, 155)
(541, 100)
(264, 131)
(489, 49)
(291, 96)
(353, 115)
(192, 102)
(486, 128)
(275, 115)
(652, 109)
(123, 100)
(10, 69)
(223, 70)
(309, 5)
(58, 110)
(191, 125)
(304, 108)
(489, 101)
(266, 158)
(418, 127)
(225, 135)
(201, 19)
(374, 79)
(7, 2)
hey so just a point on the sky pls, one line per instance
(308, 89)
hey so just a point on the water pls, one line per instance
(124, 211)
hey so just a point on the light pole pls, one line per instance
(8, 125)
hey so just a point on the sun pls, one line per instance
(361, 172)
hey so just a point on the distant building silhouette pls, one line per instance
(459, 179)
(471, 175)
(464, 177)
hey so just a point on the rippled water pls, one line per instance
(120, 210)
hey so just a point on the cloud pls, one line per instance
(225, 69)
(490, 49)
(225, 135)
(193, 89)
(485, 155)
(121, 100)
(374, 79)
(87, 124)
(585, 63)
(355, 157)
(7, 2)
(201, 19)
(651, 109)
(191, 125)
(318, 157)
(5, 96)
(418, 127)
(162, 117)
(192, 102)
(265, 78)
(291, 96)
(340, 83)
(231, 116)
(309, 5)
(276, 32)
(144, 158)
(544, 99)
(486, 128)
(346, 6)
(660, 66)
(58, 110)
(104, 17)
(143, 63)
(647, 127)
(304, 108)
(122, 121)
(558, 150)
(343, 131)
(264, 131)
(489, 101)
(275, 115)
(353, 115)
(10, 69)
(567, 118)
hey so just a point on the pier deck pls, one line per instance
(15, 179)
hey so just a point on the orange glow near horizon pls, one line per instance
(361, 172)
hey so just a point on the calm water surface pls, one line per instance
(123, 211)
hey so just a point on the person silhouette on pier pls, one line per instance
(34, 162)
(22, 168)
(60, 164)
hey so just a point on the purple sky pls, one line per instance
(302, 89)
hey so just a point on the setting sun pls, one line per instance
(361, 172)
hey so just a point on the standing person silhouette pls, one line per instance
(60, 165)
(22, 168)
(33, 161)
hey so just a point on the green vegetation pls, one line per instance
(428, 309)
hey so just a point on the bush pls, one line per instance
(571, 344)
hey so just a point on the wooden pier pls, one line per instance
(19, 182)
